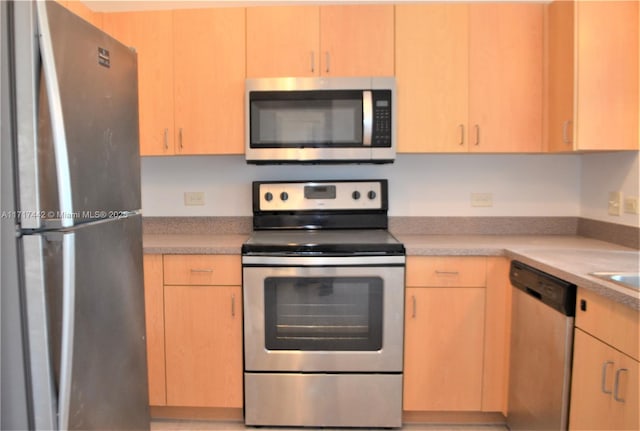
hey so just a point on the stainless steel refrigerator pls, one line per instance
(73, 334)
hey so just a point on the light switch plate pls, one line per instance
(615, 203)
(193, 198)
(631, 205)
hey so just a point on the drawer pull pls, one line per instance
(616, 385)
(233, 305)
(603, 385)
(201, 270)
(414, 306)
(447, 272)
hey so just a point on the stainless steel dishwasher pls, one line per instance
(543, 310)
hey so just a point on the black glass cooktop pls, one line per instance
(323, 242)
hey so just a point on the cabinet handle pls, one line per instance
(616, 385)
(313, 62)
(327, 58)
(414, 306)
(233, 305)
(166, 139)
(447, 272)
(565, 132)
(603, 385)
(208, 270)
(477, 134)
(461, 134)
(180, 138)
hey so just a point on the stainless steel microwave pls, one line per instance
(320, 120)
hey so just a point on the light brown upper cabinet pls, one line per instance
(209, 68)
(334, 40)
(151, 34)
(470, 77)
(593, 75)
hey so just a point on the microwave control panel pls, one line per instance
(381, 118)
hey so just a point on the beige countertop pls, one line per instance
(571, 258)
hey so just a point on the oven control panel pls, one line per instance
(321, 195)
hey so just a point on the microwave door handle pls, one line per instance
(367, 118)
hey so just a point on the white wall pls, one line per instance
(604, 173)
(420, 185)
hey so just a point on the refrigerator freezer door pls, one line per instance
(87, 135)
(95, 318)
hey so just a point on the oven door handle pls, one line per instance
(323, 260)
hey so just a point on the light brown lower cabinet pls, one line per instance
(605, 379)
(194, 330)
(203, 333)
(456, 332)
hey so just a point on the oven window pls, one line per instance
(324, 313)
(308, 120)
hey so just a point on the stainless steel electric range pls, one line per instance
(323, 292)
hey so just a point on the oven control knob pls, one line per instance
(268, 196)
(355, 195)
(284, 196)
(371, 194)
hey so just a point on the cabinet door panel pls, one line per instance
(607, 79)
(209, 60)
(506, 77)
(154, 321)
(204, 346)
(151, 34)
(444, 338)
(283, 41)
(561, 72)
(432, 71)
(357, 40)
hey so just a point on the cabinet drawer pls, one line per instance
(188, 269)
(614, 323)
(446, 271)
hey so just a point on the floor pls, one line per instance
(159, 425)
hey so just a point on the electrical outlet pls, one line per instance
(193, 198)
(631, 205)
(615, 203)
(481, 199)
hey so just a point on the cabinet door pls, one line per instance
(444, 336)
(591, 383)
(203, 330)
(357, 40)
(607, 78)
(626, 406)
(151, 34)
(209, 67)
(154, 321)
(283, 41)
(506, 77)
(604, 391)
(560, 45)
(432, 72)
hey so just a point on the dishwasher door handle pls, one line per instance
(603, 385)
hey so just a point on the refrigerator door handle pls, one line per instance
(57, 119)
(68, 321)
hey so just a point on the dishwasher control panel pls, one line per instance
(548, 289)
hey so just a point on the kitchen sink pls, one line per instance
(627, 279)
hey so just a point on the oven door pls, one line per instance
(335, 317)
